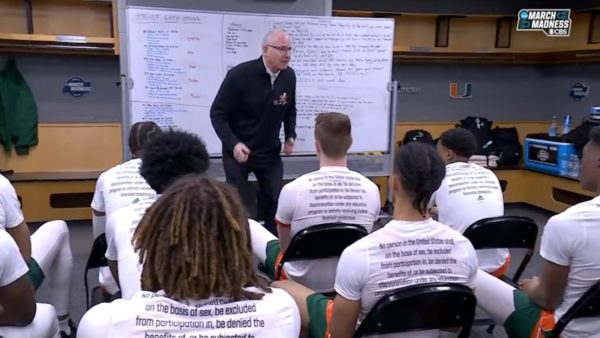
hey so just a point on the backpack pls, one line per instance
(580, 135)
(482, 130)
(418, 135)
(505, 143)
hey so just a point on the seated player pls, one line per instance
(122, 184)
(571, 265)
(411, 249)
(20, 316)
(314, 199)
(198, 277)
(469, 193)
(166, 157)
(47, 253)
(119, 187)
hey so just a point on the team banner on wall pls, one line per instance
(553, 22)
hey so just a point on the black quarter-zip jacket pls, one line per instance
(248, 109)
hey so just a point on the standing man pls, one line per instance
(254, 99)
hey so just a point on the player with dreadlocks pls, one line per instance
(168, 156)
(198, 277)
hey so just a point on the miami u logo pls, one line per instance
(467, 92)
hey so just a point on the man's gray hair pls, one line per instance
(267, 38)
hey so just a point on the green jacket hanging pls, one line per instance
(18, 111)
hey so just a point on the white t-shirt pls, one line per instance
(571, 239)
(467, 194)
(403, 254)
(116, 188)
(328, 195)
(12, 265)
(150, 314)
(119, 232)
(10, 208)
(120, 186)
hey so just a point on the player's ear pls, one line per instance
(395, 182)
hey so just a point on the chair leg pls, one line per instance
(97, 296)
(87, 294)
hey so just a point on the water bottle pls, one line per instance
(553, 130)
(574, 166)
(595, 113)
(563, 165)
(566, 127)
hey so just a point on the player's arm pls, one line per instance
(20, 234)
(547, 290)
(18, 303)
(112, 252)
(284, 234)
(285, 213)
(351, 276)
(559, 240)
(14, 221)
(222, 109)
(345, 315)
(114, 270)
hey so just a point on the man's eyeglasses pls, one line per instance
(283, 49)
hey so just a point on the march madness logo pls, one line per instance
(553, 22)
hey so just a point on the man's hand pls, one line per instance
(288, 147)
(241, 152)
(529, 285)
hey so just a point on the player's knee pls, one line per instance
(59, 228)
(45, 319)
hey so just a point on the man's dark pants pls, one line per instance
(269, 177)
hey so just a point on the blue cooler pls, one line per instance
(544, 155)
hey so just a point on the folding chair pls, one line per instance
(95, 260)
(422, 307)
(504, 232)
(321, 241)
(587, 305)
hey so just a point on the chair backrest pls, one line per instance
(323, 241)
(587, 305)
(422, 307)
(503, 232)
(510, 232)
(97, 258)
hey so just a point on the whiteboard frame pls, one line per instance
(368, 165)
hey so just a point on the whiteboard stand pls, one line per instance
(126, 84)
(388, 205)
(126, 81)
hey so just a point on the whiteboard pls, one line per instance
(177, 60)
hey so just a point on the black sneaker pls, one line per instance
(73, 328)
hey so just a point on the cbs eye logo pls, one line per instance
(543, 155)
